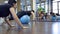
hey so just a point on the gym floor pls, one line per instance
(34, 28)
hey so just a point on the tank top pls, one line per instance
(5, 10)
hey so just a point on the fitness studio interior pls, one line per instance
(30, 17)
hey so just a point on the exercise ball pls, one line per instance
(53, 18)
(25, 19)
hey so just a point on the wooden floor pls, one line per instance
(34, 28)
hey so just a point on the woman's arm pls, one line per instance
(15, 17)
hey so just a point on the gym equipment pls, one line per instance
(25, 19)
(53, 18)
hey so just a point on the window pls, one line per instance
(37, 6)
(28, 8)
(42, 5)
(5, 1)
(56, 0)
(59, 7)
(55, 7)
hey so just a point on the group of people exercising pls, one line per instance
(9, 9)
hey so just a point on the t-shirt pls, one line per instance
(4, 10)
(22, 13)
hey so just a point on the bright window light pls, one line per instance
(59, 7)
(46, 7)
(56, 0)
(28, 8)
(5, 1)
(55, 7)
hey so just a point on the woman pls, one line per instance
(22, 13)
(7, 9)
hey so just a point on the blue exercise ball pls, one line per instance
(25, 19)
(53, 18)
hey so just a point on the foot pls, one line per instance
(25, 27)
(12, 26)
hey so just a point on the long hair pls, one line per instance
(11, 2)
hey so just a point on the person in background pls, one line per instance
(41, 15)
(53, 16)
(29, 13)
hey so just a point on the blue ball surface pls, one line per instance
(25, 19)
(53, 18)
